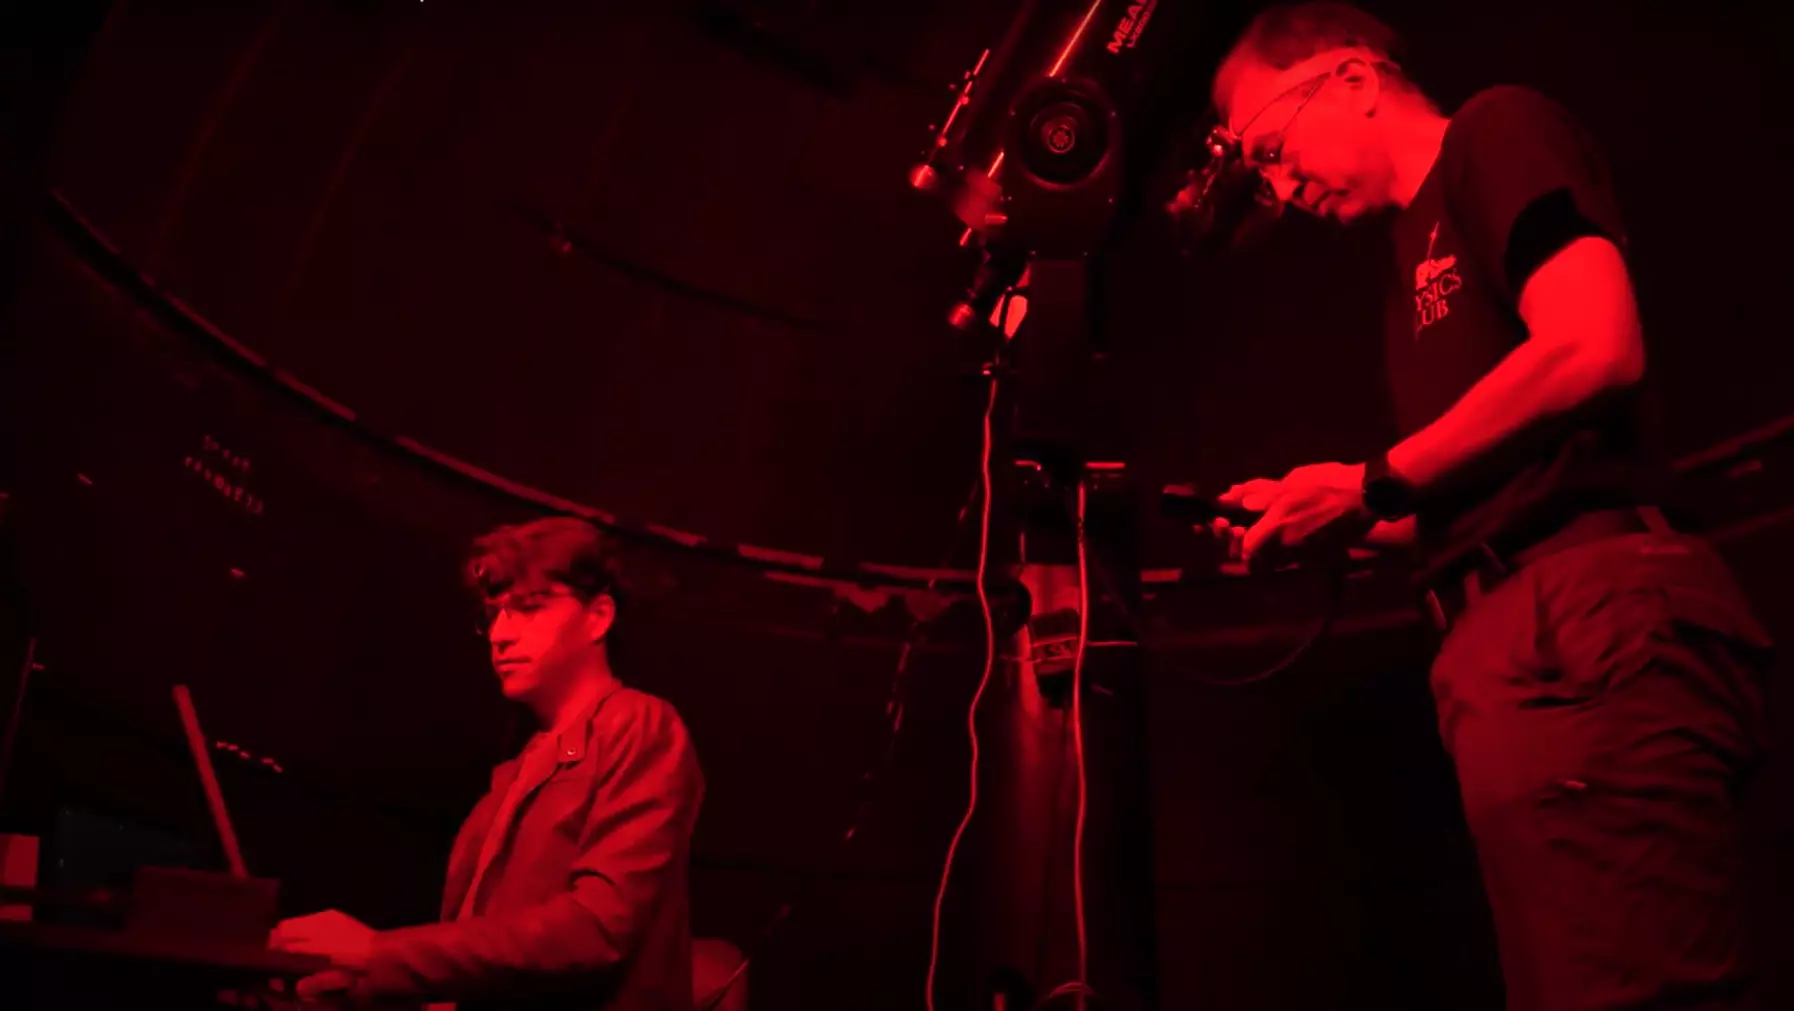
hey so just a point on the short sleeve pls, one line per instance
(1528, 181)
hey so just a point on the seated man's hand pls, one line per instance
(326, 986)
(344, 940)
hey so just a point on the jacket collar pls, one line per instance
(570, 741)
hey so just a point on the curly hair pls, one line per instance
(555, 549)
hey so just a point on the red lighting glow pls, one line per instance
(1071, 44)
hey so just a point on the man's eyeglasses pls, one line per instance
(1267, 151)
(518, 605)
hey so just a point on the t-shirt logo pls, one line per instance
(1434, 282)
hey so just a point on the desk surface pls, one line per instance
(167, 949)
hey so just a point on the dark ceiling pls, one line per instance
(736, 329)
(660, 260)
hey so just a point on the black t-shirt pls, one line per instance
(1517, 179)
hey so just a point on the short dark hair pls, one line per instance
(1285, 35)
(556, 549)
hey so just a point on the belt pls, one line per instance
(1451, 592)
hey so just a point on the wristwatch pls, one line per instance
(1387, 495)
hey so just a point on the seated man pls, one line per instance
(568, 884)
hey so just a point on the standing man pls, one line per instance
(1600, 683)
(567, 887)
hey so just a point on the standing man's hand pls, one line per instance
(1314, 510)
(329, 987)
(1254, 496)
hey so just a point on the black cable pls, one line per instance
(97, 252)
(1336, 576)
(1052, 855)
(9, 737)
(894, 712)
(913, 637)
(1082, 990)
(874, 775)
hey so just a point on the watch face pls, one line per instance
(1387, 498)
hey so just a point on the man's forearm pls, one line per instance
(1537, 380)
(487, 956)
(1583, 341)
